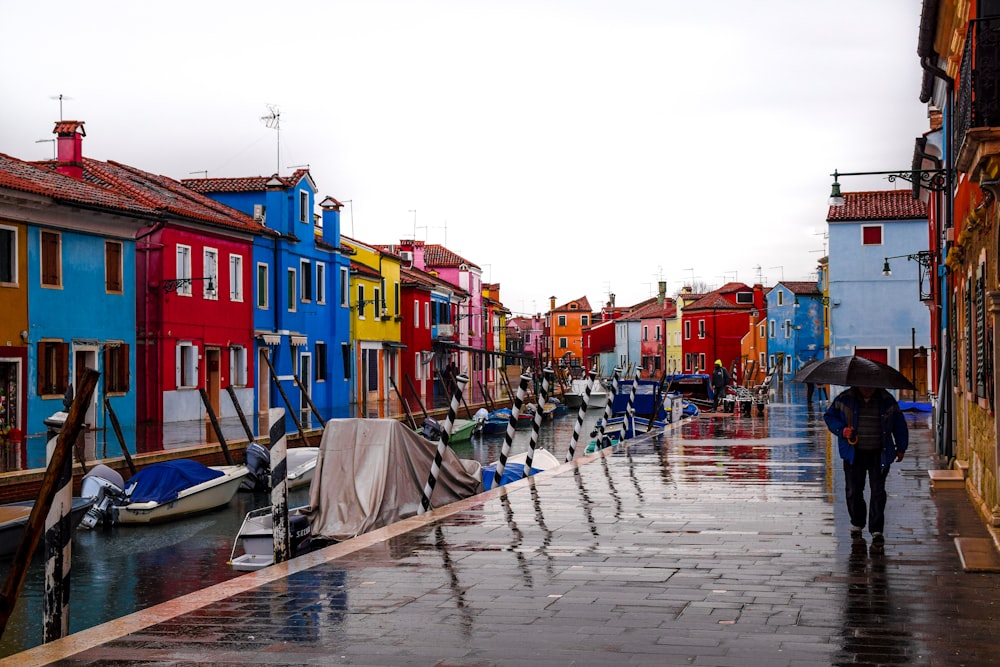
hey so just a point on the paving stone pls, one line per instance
(725, 545)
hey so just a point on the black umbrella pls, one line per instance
(853, 371)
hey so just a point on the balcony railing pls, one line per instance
(978, 103)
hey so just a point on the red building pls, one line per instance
(194, 316)
(713, 326)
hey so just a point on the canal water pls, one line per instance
(124, 569)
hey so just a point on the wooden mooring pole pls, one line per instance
(288, 404)
(216, 426)
(61, 456)
(117, 427)
(239, 411)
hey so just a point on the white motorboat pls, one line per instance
(256, 538)
(369, 473)
(301, 463)
(160, 492)
(541, 460)
(574, 397)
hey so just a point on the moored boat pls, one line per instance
(160, 492)
(370, 473)
(14, 518)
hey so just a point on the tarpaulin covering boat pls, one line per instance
(371, 473)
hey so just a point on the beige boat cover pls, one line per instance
(371, 473)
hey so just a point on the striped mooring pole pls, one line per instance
(58, 553)
(630, 408)
(581, 414)
(522, 390)
(609, 407)
(536, 423)
(456, 398)
(279, 485)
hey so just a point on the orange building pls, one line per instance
(565, 325)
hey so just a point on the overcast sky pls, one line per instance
(569, 148)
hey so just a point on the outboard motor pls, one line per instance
(106, 487)
(432, 430)
(258, 460)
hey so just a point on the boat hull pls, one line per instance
(194, 500)
(14, 517)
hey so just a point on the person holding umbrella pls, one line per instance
(871, 433)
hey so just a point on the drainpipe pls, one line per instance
(943, 426)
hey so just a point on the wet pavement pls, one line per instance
(721, 542)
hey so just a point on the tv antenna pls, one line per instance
(60, 97)
(48, 141)
(203, 171)
(273, 121)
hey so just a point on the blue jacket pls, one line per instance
(843, 412)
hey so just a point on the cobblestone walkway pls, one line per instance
(723, 542)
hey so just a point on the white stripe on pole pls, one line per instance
(58, 552)
(279, 485)
(630, 407)
(522, 390)
(456, 397)
(610, 405)
(581, 413)
(536, 424)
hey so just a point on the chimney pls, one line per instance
(69, 145)
(552, 303)
(662, 293)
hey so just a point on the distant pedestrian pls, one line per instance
(720, 380)
(872, 433)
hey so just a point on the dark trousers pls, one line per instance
(867, 464)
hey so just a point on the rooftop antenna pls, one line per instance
(60, 97)
(273, 121)
(782, 268)
(49, 141)
(351, 202)
(203, 171)
(760, 274)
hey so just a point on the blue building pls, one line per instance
(300, 293)
(794, 325)
(68, 294)
(875, 315)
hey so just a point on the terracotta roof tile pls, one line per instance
(243, 184)
(582, 305)
(801, 287)
(883, 205)
(438, 255)
(41, 180)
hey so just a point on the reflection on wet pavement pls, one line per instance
(724, 542)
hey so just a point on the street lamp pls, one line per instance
(935, 180)
(923, 259)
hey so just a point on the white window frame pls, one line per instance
(305, 281)
(361, 302)
(303, 206)
(263, 287)
(187, 358)
(183, 273)
(427, 314)
(781, 298)
(345, 288)
(788, 328)
(292, 288)
(416, 313)
(238, 366)
(687, 330)
(235, 277)
(210, 264)
(771, 324)
(320, 282)
(702, 330)
(13, 256)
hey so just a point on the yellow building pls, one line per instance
(375, 329)
(13, 326)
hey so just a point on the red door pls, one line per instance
(874, 354)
